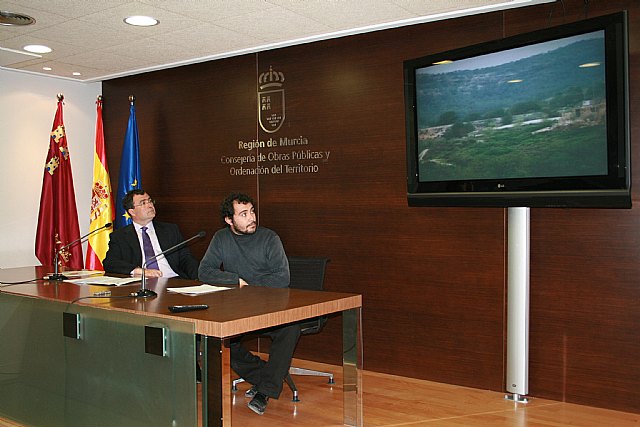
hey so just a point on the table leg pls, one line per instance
(216, 384)
(352, 355)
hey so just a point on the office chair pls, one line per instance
(306, 273)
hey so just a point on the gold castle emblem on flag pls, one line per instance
(271, 111)
(52, 165)
(57, 134)
(65, 152)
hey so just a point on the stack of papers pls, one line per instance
(197, 290)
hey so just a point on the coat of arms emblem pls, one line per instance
(271, 111)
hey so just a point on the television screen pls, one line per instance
(537, 120)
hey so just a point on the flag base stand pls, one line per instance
(144, 293)
(57, 276)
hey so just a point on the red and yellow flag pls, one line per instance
(102, 207)
(58, 217)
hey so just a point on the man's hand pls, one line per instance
(242, 283)
(148, 272)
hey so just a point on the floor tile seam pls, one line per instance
(410, 423)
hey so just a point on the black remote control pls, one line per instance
(183, 308)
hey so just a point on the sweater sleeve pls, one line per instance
(210, 270)
(259, 259)
(277, 275)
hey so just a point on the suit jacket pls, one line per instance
(124, 252)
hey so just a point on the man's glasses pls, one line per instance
(145, 202)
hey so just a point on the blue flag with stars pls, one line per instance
(130, 175)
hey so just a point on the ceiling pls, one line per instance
(89, 36)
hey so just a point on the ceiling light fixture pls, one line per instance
(75, 73)
(37, 48)
(15, 19)
(141, 21)
(47, 68)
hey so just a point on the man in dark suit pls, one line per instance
(126, 245)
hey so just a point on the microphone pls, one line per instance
(144, 292)
(58, 276)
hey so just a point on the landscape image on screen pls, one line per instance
(532, 111)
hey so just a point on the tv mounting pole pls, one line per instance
(517, 379)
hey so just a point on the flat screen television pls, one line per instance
(535, 120)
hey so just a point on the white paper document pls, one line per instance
(105, 280)
(197, 290)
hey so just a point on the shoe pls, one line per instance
(251, 392)
(259, 403)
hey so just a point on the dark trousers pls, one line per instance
(267, 376)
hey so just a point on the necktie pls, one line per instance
(148, 250)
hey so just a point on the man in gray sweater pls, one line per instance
(244, 254)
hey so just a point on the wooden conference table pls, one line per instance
(92, 361)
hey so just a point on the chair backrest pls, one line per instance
(307, 272)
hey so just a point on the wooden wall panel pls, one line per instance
(584, 305)
(584, 266)
(186, 122)
(355, 211)
(433, 280)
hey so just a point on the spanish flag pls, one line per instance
(58, 216)
(102, 207)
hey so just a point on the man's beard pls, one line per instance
(245, 231)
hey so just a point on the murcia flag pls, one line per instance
(58, 217)
(102, 208)
(130, 177)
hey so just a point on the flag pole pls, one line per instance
(130, 175)
(102, 208)
(57, 215)
(56, 275)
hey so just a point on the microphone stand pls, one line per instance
(58, 276)
(143, 292)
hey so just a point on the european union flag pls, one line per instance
(130, 176)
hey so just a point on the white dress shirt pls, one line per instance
(163, 264)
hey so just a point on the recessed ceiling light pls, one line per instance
(75, 73)
(37, 48)
(47, 68)
(141, 21)
(9, 18)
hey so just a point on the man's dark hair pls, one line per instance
(127, 200)
(226, 207)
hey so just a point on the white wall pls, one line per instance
(27, 109)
